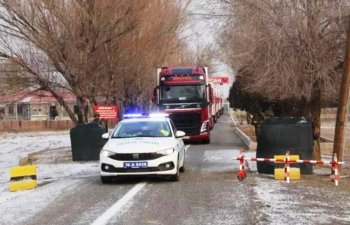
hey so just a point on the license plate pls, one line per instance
(135, 165)
(186, 137)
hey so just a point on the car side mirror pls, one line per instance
(180, 134)
(105, 136)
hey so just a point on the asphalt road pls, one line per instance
(207, 193)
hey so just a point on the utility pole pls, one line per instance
(340, 125)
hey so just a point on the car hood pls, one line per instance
(138, 145)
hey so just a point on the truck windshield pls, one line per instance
(184, 93)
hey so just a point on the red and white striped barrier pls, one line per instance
(241, 173)
(335, 176)
(287, 161)
(286, 167)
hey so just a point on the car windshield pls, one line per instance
(142, 129)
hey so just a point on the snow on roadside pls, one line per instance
(282, 203)
(224, 160)
(18, 206)
(14, 146)
(221, 160)
(297, 204)
(52, 178)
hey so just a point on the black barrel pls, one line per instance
(280, 134)
(86, 141)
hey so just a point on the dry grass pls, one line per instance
(248, 130)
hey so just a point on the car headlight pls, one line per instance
(107, 153)
(167, 151)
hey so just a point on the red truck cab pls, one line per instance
(184, 93)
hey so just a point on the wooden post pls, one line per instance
(338, 147)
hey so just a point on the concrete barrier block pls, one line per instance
(23, 178)
(294, 174)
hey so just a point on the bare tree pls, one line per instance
(90, 47)
(291, 51)
(155, 43)
(70, 34)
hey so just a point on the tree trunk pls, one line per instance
(340, 126)
(316, 119)
(256, 121)
(81, 106)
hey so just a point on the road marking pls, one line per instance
(114, 209)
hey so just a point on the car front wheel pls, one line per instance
(182, 168)
(176, 177)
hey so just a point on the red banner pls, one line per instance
(107, 112)
(220, 80)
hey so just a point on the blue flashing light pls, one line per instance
(158, 115)
(133, 115)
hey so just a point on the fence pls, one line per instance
(39, 125)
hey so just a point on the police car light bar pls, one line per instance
(158, 115)
(133, 115)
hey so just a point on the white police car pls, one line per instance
(143, 146)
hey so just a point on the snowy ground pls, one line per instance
(52, 179)
(14, 146)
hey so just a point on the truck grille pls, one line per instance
(135, 157)
(189, 122)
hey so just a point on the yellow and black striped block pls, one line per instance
(23, 178)
(294, 173)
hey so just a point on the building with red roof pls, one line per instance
(39, 105)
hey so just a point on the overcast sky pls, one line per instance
(201, 32)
